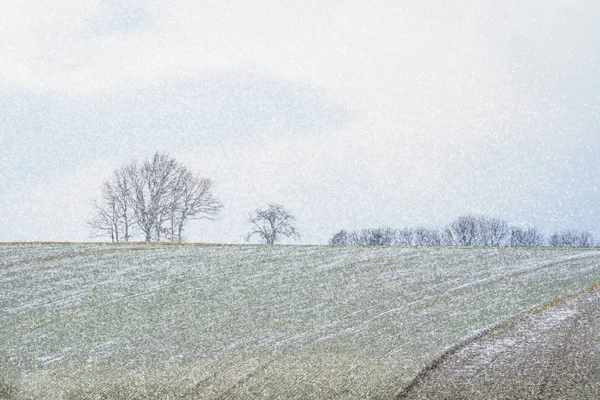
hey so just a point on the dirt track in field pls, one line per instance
(552, 352)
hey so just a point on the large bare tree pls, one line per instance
(157, 197)
(272, 223)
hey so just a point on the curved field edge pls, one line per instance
(435, 363)
(318, 322)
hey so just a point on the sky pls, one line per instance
(351, 114)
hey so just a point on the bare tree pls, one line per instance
(405, 237)
(103, 221)
(427, 236)
(498, 231)
(354, 238)
(121, 193)
(272, 223)
(491, 231)
(586, 239)
(470, 230)
(154, 180)
(377, 237)
(525, 237)
(464, 231)
(447, 238)
(365, 237)
(192, 199)
(106, 216)
(342, 238)
(571, 238)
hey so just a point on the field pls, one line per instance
(549, 353)
(181, 322)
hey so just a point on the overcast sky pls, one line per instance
(351, 114)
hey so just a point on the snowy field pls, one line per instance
(171, 322)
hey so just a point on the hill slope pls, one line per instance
(157, 321)
(550, 353)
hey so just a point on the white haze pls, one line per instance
(351, 114)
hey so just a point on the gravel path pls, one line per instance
(552, 352)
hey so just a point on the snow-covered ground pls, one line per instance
(243, 321)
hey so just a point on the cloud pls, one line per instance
(119, 18)
(171, 115)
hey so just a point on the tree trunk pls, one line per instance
(180, 229)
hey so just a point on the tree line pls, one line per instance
(466, 230)
(153, 200)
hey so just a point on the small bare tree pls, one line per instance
(377, 237)
(272, 223)
(405, 237)
(104, 221)
(106, 218)
(492, 231)
(427, 236)
(464, 231)
(354, 238)
(525, 237)
(342, 238)
(121, 194)
(571, 238)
